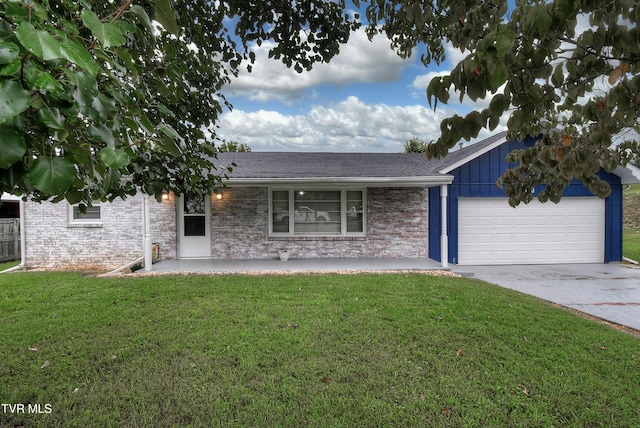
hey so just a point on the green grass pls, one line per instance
(631, 244)
(305, 351)
(634, 189)
(7, 265)
(631, 235)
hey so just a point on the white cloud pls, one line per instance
(347, 126)
(420, 83)
(454, 55)
(350, 125)
(359, 61)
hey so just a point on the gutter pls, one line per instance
(23, 247)
(425, 181)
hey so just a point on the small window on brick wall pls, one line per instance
(89, 215)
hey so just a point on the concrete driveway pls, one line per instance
(607, 291)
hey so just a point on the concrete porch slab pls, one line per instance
(295, 265)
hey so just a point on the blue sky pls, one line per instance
(367, 99)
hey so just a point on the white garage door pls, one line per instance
(490, 232)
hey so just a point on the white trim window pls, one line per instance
(317, 212)
(92, 214)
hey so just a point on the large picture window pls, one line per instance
(317, 212)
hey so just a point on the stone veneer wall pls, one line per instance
(52, 241)
(396, 227)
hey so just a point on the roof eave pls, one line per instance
(423, 181)
(628, 174)
(473, 155)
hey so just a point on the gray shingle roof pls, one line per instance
(306, 165)
(321, 165)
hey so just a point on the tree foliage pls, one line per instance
(566, 71)
(101, 98)
(415, 145)
(232, 146)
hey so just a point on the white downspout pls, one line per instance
(146, 226)
(444, 239)
(23, 234)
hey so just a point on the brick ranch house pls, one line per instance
(336, 205)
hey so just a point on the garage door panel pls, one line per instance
(542, 239)
(484, 221)
(492, 232)
(503, 238)
(485, 238)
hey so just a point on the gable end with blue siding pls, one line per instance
(477, 178)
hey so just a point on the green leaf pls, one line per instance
(499, 104)
(11, 68)
(494, 121)
(114, 158)
(544, 22)
(78, 55)
(173, 143)
(101, 132)
(51, 175)
(9, 52)
(499, 75)
(12, 148)
(45, 82)
(19, 11)
(107, 34)
(51, 117)
(504, 43)
(143, 16)
(166, 17)
(558, 76)
(105, 106)
(13, 100)
(475, 91)
(74, 196)
(87, 87)
(169, 131)
(565, 8)
(111, 179)
(38, 42)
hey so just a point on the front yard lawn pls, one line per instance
(304, 351)
(8, 265)
(631, 237)
(631, 242)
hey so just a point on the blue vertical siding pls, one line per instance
(478, 179)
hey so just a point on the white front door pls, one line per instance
(194, 231)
